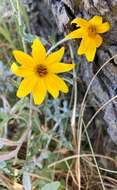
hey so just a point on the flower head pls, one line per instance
(40, 72)
(89, 32)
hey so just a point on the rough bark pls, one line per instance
(54, 15)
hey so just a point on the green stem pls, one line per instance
(73, 118)
(56, 45)
(16, 10)
(15, 4)
(20, 25)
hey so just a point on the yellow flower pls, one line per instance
(39, 72)
(89, 32)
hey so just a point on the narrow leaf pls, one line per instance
(51, 186)
(26, 181)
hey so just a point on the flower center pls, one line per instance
(41, 70)
(92, 31)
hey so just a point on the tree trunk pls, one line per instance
(54, 15)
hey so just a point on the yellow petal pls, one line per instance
(88, 47)
(79, 33)
(96, 20)
(60, 67)
(103, 27)
(23, 58)
(90, 53)
(80, 22)
(51, 85)
(39, 92)
(98, 40)
(55, 57)
(38, 52)
(26, 86)
(82, 47)
(61, 84)
(21, 71)
(58, 83)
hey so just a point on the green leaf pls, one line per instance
(26, 181)
(2, 164)
(51, 186)
(20, 105)
(30, 38)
